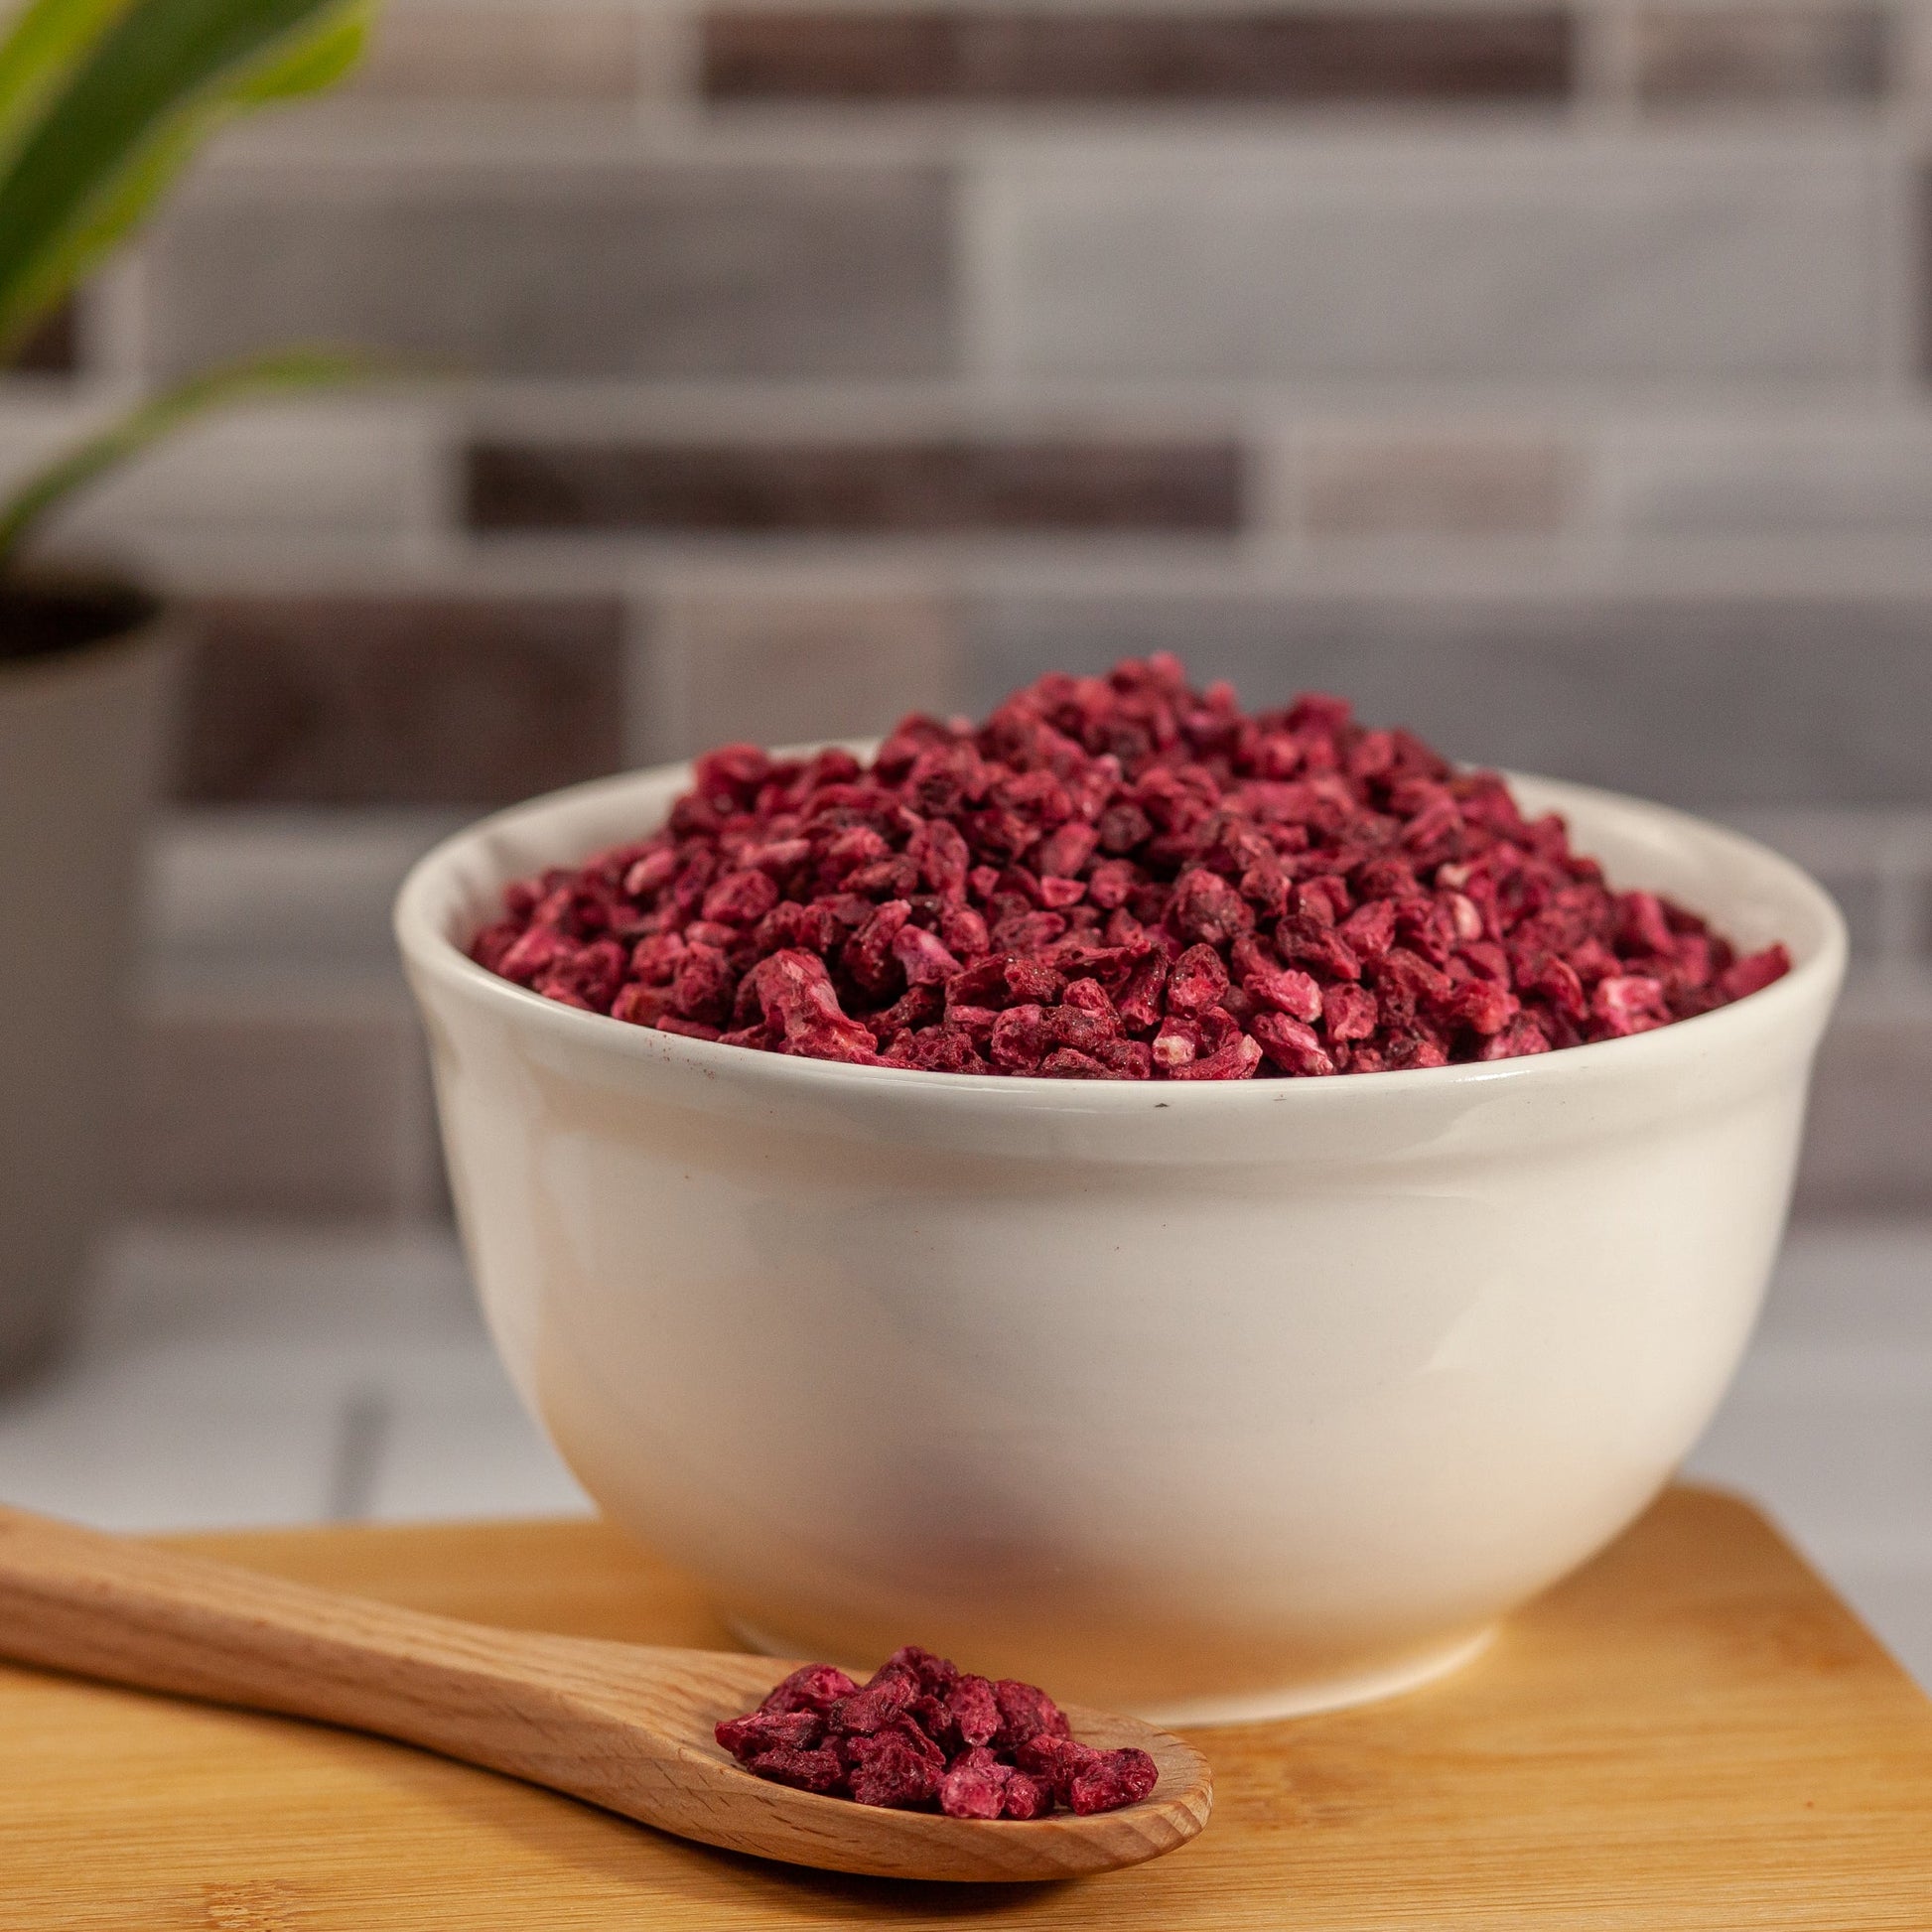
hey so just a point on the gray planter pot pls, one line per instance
(82, 734)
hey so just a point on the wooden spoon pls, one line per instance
(627, 1726)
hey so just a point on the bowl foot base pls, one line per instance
(1324, 1692)
(1296, 1700)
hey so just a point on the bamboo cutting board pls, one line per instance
(1692, 1735)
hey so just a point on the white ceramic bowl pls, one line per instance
(1201, 1400)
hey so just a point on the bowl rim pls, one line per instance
(1807, 988)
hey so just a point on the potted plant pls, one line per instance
(101, 103)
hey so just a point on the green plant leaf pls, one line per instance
(131, 194)
(45, 41)
(312, 64)
(295, 371)
(158, 80)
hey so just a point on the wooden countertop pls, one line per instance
(1691, 1734)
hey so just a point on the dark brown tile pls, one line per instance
(567, 269)
(53, 347)
(905, 488)
(1691, 54)
(1361, 55)
(833, 56)
(353, 701)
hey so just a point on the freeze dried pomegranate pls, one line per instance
(920, 1733)
(1116, 879)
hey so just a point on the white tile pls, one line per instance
(183, 1440)
(1843, 1459)
(1897, 1603)
(457, 1443)
(239, 895)
(1829, 1426)
(1527, 258)
(360, 467)
(231, 1373)
(220, 1371)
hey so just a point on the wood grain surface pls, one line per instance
(1692, 1735)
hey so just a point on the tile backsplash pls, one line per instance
(1557, 378)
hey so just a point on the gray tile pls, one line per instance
(355, 1295)
(1863, 898)
(1534, 259)
(1853, 856)
(1869, 1140)
(1852, 1284)
(1713, 702)
(1767, 53)
(565, 269)
(279, 1105)
(1868, 476)
(362, 1442)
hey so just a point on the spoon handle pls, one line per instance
(106, 1607)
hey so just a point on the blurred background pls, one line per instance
(1550, 378)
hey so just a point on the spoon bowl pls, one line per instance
(627, 1726)
(682, 1695)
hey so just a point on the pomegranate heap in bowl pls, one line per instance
(1205, 1209)
(1115, 879)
